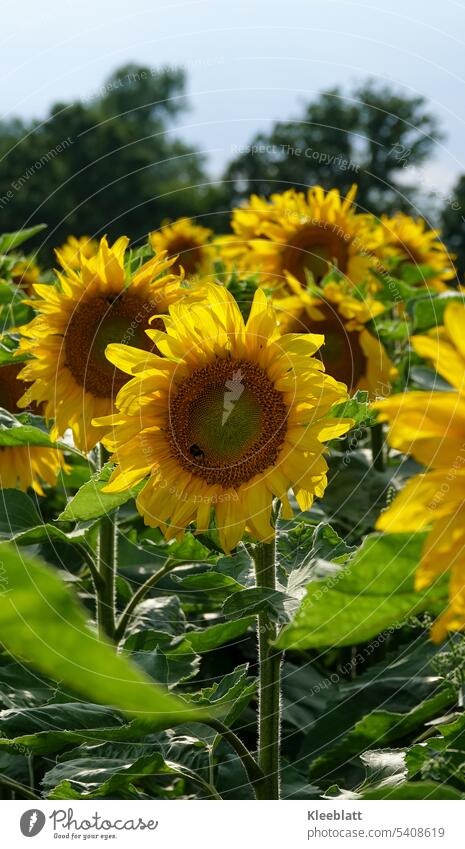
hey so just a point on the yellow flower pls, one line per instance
(24, 466)
(444, 346)
(25, 274)
(12, 388)
(95, 304)
(231, 415)
(312, 233)
(350, 353)
(75, 249)
(431, 427)
(187, 243)
(413, 242)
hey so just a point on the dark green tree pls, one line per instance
(453, 225)
(107, 165)
(369, 137)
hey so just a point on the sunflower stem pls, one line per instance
(250, 765)
(377, 447)
(107, 561)
(269, 660)
(139, 595)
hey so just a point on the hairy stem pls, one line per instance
(269, 709)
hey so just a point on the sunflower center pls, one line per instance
(316, 248)
(190, 254)
(342, 353)
(94, 324)
(227, 422)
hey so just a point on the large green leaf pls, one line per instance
(113, 778)
(22, 430)
(373, 592)
(379, 728)
(90, 502)
(428, 790)
(10, 241)
(43, 624)
(17, 513)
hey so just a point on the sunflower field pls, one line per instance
(233, 547)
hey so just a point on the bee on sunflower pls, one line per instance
(98, 303)
(72, 251)
(351, 353)
(188, 244)
(314, 233)
(409, 241)
(431, 427)
(223, 418)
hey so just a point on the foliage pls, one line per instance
(367, 136)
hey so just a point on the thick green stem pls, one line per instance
(377, 447)
(269, 709)
(107, 559)
(107, 563)
(138, 596)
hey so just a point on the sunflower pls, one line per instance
(431, 427)
(75, 248)
(444, 346)
(12, 388)
(95, 305)
(312, 233)
(25, 274)
(411, 242)
(231, 415)
(351, 353)
(24, 466)
(187, 243)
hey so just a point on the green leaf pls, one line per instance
(380, 728)
(10, 241)
(111, 778)
(213, 585)
(415, 790)
(17, 513)
(43, 624)
(357, 408)
(259, 600)
(428, 311)
(13, 432)
(162, 614)
(226, 692)
(217, 635)
(304, 552)
(91, 503)
(66, 724)
(373, 592)
(48, 533)
(428, 380)
(172, 660)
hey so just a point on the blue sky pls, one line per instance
(249, 62)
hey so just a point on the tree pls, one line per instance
(453, 225)
(368, 137)
(108, 165)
